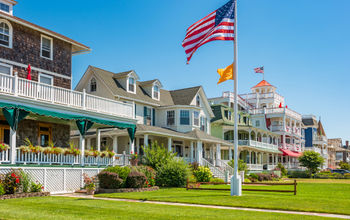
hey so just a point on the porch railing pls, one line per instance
(271, 167)
(5, 156)
(225, 166)
(13, 85)
(256, 144)
(255, 166)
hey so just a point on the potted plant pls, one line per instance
(24, 149)
(35, 149)
(87, 153)
(95, 153)
(134, 159)
(47, 150)
(111, 154)
(104, 154)
(4, 147)
(90, 185)
(57, 150)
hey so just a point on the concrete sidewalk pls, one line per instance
(80, 195)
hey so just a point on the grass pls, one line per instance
(328, 196)
(77, 208)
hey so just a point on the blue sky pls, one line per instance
(304, 46)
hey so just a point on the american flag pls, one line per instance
(218, 25)
(259, 70)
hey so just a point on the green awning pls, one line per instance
(83, 126)
(14, 116)
(50, 113)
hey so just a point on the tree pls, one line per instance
(311, 160)
(344, 166)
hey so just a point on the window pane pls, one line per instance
(5, 70)
(170, 117)
(196, 118)
(46, 47)
(184, 117)
(4, 7)
(46, 80)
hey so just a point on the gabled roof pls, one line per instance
(201, 135)
(320, 130)
(76, 46)
(184, 96)
(262, 83)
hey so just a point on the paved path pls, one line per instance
(80, 195)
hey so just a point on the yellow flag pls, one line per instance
(226, 74)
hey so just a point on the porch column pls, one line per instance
(218, 154)
(191, 151)
(169, 144)
(250, 157)
(284, 129)
(115, 144)
(199, 152)
(98, 139)
(137, 142)
(13, 146)
(131, 146)
(145, 141)
(82, 149)
(88, 143)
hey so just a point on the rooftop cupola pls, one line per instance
(263, 87)
(6, 6)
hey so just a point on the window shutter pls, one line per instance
(144, 115)
(154, 117)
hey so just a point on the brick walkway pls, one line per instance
(79, 195)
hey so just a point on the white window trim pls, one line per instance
(41, 46)
(11, 68)
(199, 119)
(11, 33)
(153, 92)
(127, 85)
(10, 8)
(166, 118)
(45, 75)
(90, 84)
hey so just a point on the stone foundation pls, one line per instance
(124, 190)
(24, 195)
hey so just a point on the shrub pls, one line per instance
(264, 177)
(157, 156)
(149, 172)
(216, 180)
(109, 180)
(173, 174)
(36, 187)
(2, 190)
(12, 182)
(195, 166)
(299, 174)
(122, 172)
(203, 174)
(347, 175)
(25, 181)
(241, 165)
(311, 160)
(344, 166)
(283, 170)
(253, 177)
(136, 180)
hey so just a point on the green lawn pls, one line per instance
(75, 208)
(326, 196)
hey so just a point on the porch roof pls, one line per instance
(290, 153)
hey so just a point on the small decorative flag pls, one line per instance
(259, 70)
(29, 70)
(218, 25)
(226, 74)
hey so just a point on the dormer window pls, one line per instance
(4, 7)
(93, 85)
(198, 101)
(131, 84)
(156, 92)
(46, 47)
(5, 34)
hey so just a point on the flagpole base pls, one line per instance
(236, 185)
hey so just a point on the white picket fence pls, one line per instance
(13, 85)
(5, 156)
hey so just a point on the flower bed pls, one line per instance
(124, 190)
(24, 195)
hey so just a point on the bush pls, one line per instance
(253, 177)
(157, 156)
(344, 166)
(299, 174)
(109, 180)
(149, 172)
(203, 174)
(195, 166)
(216, 180)
(311, 160)
(241, 165)
(264, 177)
(173, 174)
(122, 172)
(12, 182)
(36, 187)
(25, 181)
(136, 180)
(283, 170)
(2, 190)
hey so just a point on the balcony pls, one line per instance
(281, 111)
(258, 144)
(320, 140)
(251, 97)
(13, 86)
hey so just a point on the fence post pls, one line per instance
(295, 187)
(15, 84)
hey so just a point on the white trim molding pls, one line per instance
(51, 47)
(10, 33)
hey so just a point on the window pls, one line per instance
(184, 117)
(45, 79)
(131, 86)
(257, 123)
(5, 134)
(147, 116)
(4, 7)
(170, 117)
(228, 115)
(156, 92)
(196, 118)
(5, 69)
(198, 101)
(46, 47)
(44, 134)
(203, 124)
(5, 34)
(93, 85)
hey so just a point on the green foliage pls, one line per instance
(25, 181)
(216, 180)
(157, 156)
(122, 172)
(173, 174)
(311, 160)
(203, 174)
(283, 170)
(149, 172)
(2, 190)
(12, 182)
(253, 177)
(36, 187)
(136, 180)
(109, 180)
(329, 175)
(241, 165)
(344, 166)
(299, 174)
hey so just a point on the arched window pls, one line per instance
(93, 85)
(5, 34)
(198, 101)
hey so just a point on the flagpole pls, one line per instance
(236, 184)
